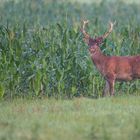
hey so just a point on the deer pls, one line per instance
(112, 68)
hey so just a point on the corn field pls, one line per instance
(42, 51)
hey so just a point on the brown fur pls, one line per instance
(114, 68)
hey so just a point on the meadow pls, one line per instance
(77, 119)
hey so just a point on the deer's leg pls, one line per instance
(111, 86)
(106, 88)
(111, 81)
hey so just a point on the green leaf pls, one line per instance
(2, 91)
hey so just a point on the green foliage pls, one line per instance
(42, 52)
(1, 90)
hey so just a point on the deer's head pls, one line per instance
(94, 43)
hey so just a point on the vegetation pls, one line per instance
(80, 119)
(42, 52)
(42, 55)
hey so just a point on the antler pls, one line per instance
(110, 30)
(86, 35)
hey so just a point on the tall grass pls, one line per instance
(42, 52)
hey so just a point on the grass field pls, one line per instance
(77, 119)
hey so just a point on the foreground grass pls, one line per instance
(77, 119)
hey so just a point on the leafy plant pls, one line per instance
(42, 52)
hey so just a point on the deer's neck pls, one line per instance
(99, 60)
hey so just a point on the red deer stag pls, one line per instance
(112, 68)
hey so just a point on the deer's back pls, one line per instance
(123, 67)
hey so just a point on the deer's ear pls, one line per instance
(99, 40)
